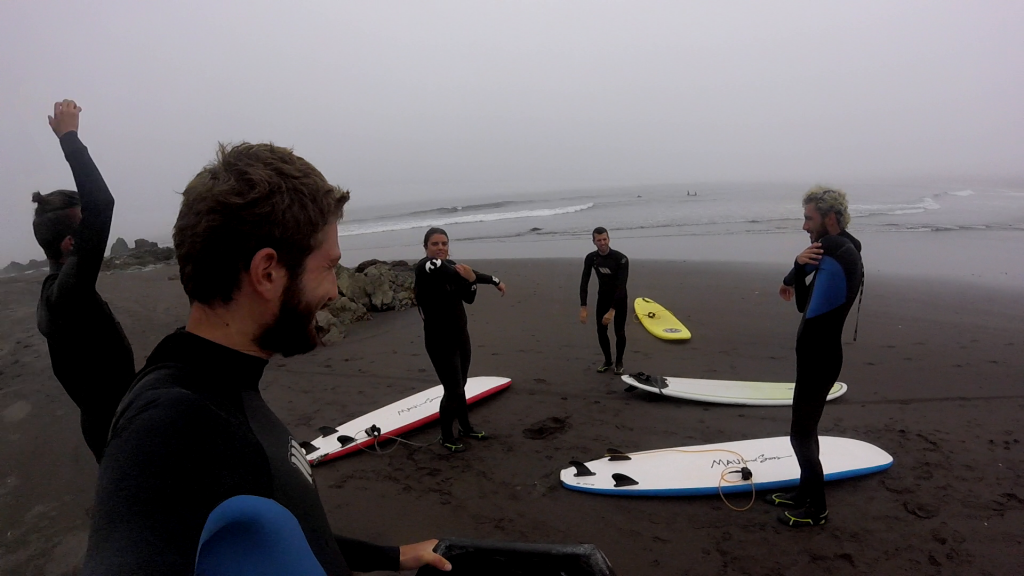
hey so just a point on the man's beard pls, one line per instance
(294, 331)
(821, 232)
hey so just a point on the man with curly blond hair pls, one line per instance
(834, 259)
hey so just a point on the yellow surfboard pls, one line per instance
(659, 321)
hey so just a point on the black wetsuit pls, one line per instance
(90, 355)
(440, 294)
(612, 273)
(825, 303)
(192, 433)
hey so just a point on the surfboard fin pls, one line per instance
(615, 455)
(308, 447)
(650, 380)
(581, 469)
(345, 440)
(327, 430)
(621, 481)
(629, 388)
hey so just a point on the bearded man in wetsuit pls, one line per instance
(834, 259)
(257, 245)
(612, 269)
(89, 353)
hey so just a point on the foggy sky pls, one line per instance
(408, 100)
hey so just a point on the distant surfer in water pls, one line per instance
(834, 258)
(612, 269)
(442, 286)
(90, 355)
(257, 245)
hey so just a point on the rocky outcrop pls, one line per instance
(18, 267)
(120, 247)
(146, 254)
(367, 263)
(378, 286)
(372, 286)
(331, 321)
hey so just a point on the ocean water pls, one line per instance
(975, 231)
(705, 210)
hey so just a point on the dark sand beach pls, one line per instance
(935, 379)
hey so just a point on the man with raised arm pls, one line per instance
(89, 353)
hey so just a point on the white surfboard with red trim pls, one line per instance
(393, 419)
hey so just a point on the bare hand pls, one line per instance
(65, 117)
(786, 292)
(583, 315)
(501, 288)
(812, 255)
(466, 272)
(413, 556)
(608, 317)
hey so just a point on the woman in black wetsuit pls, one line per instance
(441, 288)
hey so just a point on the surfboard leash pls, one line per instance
(375, 433)
(746, 474)
(652, 315)
(860, 300)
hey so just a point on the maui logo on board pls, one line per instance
(671, 330)
(415, 406)
(761, 459)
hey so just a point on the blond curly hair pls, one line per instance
(828, 200)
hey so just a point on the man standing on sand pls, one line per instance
(257, 245)
(89, 353)
(612, 269)
(834, 259)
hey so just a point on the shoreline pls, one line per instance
(983, 257)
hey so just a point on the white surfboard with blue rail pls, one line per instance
(697, 470)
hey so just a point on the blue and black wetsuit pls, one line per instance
(825, 303)
(89, 353)
(612, 273)
(440, 293)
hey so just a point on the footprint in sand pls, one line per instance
(547, 428)
(16, 411)
(921, 510)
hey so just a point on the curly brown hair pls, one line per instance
(55, 220)
(253, 196)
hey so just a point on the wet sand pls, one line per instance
(935, 379)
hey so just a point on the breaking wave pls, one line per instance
(392, 225)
